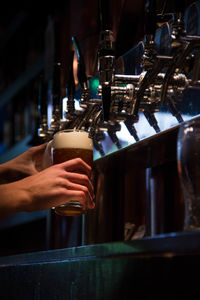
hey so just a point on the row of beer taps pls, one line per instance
(121, 97)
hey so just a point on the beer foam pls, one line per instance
(72, 139)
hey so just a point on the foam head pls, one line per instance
(72, 139)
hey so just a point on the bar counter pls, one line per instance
(160, 267)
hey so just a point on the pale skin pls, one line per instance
(43, 189)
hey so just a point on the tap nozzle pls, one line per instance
(152, 120)
(112, 134)
(173, 109)
(129, 125)
(98, 137)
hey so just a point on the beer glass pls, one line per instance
(69, 144)
(188, 159)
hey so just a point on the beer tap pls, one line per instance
(152, 66)
(183, 60)
(177, 46)
(96, 132)
(159, 82)
(91, 114)
(112, 129)
(56, 97)
(129, 121)
(81, 74)
(42, 110)
(72, 116)
(99, 136)
(70, 89)
(106, 58)
(41, 127)
(133, 92)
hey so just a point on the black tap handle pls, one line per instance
(42, 97)
(104, 15)
(70, 85)
(106, 99)
(70, 78)
(179, 6)
(56, 84)
(81, 73)
(106, 56)
(150, 18)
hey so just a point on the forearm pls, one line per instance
(12, 171)
(5, 173)
(26, 164)
(11, 200)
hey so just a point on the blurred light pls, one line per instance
(64, 106)
(94, 83)
(75, 69)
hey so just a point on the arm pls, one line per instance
(26, 164)
(53, 186)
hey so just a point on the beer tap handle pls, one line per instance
(106, 99)
(179, 6)
(150, 61)
(106, 70)
(41, 128)
(106, 57)
(70, 88)
(104, 16)
(56, 91)
(150, 18)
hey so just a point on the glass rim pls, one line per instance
(71, 130)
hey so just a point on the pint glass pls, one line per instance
(188, 159)
(69, 144)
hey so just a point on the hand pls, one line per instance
(51, 187)
(26, 164)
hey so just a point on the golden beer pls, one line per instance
(70, 144)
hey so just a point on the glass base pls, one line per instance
(70, 209)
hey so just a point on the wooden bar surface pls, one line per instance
(162, 267)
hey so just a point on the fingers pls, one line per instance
(72, 178)
(38, 149)
(81, 179)
(77, 165)
(87, 191)
(81, 196)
